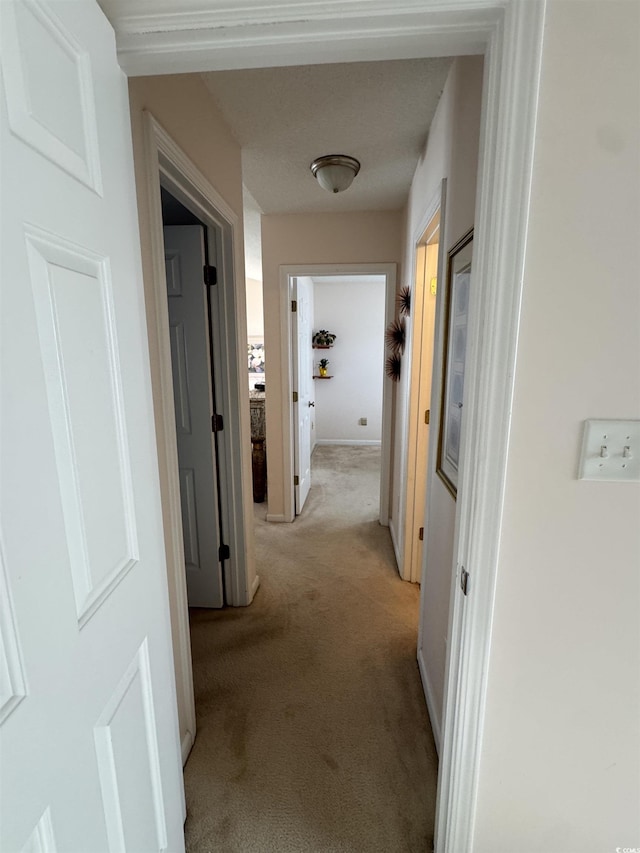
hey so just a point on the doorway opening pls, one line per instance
(167, 167)
(338, 365)
(189, 251)
(423, 314)
(384, 275)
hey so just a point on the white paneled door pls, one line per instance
(302, 381)
(88, 722)
(194, 407)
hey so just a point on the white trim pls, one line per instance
(510, 101)
(350, 442)
(288, 271)
(186, 745)
(175, 553)
(437, 202)
(394, 542)
(191, 187)
(164, 160)
(387, 405)
(226, 14)
(434, 716)
(252, 591)
(244, 35)
(278, 518)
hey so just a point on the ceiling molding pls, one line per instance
(254, 36)
(222, 15)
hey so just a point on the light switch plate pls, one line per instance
(610, 451)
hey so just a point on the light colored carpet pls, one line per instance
(312, 729)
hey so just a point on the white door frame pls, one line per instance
(298, 364)
(287, 272)
(511, 84)
(509, 33)
(437, 202)
(166, 163)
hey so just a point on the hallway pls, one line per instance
(313, 732)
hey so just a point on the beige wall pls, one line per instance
(355, 312)
(184, 108)
(328, 238)
(451, 153)
(560, 767)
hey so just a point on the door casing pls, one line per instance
(167, 165)
(422, 333)
(302, 369)
(287, 273)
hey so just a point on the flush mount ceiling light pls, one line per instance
(335, 172)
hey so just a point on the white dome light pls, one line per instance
(335, 172)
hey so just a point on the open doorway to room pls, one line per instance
(199, 209)
(338, 361)
(256, 354)
(357, 301)
(187, 263)
(421, 355)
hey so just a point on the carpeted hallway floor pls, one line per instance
(313, 735)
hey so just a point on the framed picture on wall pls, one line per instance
(455, 350)
(255, 355)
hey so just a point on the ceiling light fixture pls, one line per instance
(335, 172)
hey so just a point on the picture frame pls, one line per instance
(255, 355)
(459, 262)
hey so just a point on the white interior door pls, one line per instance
(88, 721)
(194, 407)
(423, 312)
(302, 292)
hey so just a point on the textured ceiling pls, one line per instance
(283, 118)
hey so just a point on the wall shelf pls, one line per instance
(322, 377)
(317, 346)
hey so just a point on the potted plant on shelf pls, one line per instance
(322, 366)
(323, 339)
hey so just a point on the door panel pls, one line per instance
(50, 104)
(303, 380)
(84, 389)
(88, 721)
(194, 405)
(128, 763)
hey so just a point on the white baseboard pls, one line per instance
(431, 705)
(254, 588)
(394, 541)
(349, 441)
(280, 519)
(186, 745)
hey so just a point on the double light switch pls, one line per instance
(610, 451)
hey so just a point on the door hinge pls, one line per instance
(296, 480)
(294, 396)
(224, 553)
(427, 416)
(421, 534)
(294, 306)
(210, 275)
(217, 423)
(464, 580)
